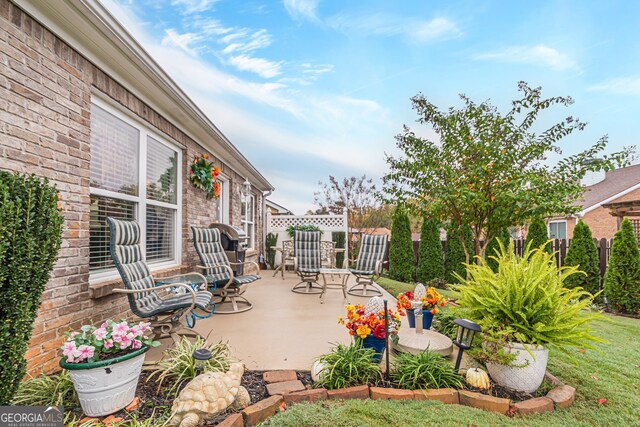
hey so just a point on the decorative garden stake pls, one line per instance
(201, 357)
(417, 312)
(464, 337)
(419, 292)
(386, 340)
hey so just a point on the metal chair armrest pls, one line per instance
(229, 270)
(168, 285)
(248, 262)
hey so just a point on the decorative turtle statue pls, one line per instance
(209, 394)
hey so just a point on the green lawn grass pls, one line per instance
(611, 372)
(394, 287)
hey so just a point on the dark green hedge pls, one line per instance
(454, 257)
(583, 254)
(538, 234)
(430, 257)
(271, 243)
(30, 236)
(340, 238)
(622, 279)
(503, 236)
(401, 256)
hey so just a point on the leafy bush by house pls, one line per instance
(30, 236)
(348, 365)
(340, 238)
(291, 230)
(271, 243)
(583, 254)
(454, 258)
(401, 256)
(537, 235)
(424, 370)
(430, 257)
(526, 301)
(505, 238)
(622, 279)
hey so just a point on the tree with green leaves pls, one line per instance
(487, 168)
(454, 257)
(430, 258)
(537, 235)
(503, 236)
(622, 279)
(401, 256)
(583, 254)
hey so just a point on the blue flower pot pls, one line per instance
(377, 344)
(427, 318)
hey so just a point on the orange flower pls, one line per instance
(205, 156)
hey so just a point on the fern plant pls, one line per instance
(347, 366)
(525, 300)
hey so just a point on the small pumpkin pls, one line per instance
(478, 378)
(316, 370)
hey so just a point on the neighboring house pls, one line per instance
(85, 106)
(355, 232)
(620, 185)
(276, 209)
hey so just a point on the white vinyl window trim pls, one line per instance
(141, 200)
(222, 214)
(248, 220)
(557, 223)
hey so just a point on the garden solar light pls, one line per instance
(464, 337)
(201, 357)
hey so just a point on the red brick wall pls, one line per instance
(45, 96)
(602, 223)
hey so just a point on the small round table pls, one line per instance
(343, 276)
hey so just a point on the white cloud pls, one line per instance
(302, 9)
(193, 6)
(260, 66)
(379, 24)
(535, 55)
(254, 41)
(182, 41)
(619, 86)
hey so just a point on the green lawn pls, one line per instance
(394, 287)
(611, 372)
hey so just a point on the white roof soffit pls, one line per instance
(89, 28)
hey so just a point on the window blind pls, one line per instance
(160, 233)
(161, 172)
(101, 208)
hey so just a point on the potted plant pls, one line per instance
(105, 362)
(523, 309)
(291, 230)
(431, 301)
(366, 325)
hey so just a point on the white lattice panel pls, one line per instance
(325, 222)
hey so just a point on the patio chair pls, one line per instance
(163, 303)
(220, 277)
(286, 257)
(307, 261)
(368, 265)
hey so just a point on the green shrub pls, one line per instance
(340, 238)
(401, 255)
(583, 254)
(526, 301)
(178, 364)
(30, 236)
(537, 235)
(430, 257)
(271, 242)
(424, 370)
(291, 230)
(622, 279)
(443, 321)
(503, 236)
(454, 258)
(47, 390)
(347, 366)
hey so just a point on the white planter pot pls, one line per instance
(527, 378)
(107, 386)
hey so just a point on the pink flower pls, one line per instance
(86, 351)
(108, 344)
(100, 333)
(70, 359)
(104, 325)
(69, 349)
(117, 337)
(125, 341)
(74, 333)
(136, 344)
(121, 328)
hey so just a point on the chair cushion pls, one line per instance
(309, 270)
(362, 272)
(243, 280)
(180, 301)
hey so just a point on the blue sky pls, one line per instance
(309, 88)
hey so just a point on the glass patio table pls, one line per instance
(343, 277)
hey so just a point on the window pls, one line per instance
(134, 175)
(222, 204)
(558, 229)
(248, 223)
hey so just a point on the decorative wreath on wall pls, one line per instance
(204, 175)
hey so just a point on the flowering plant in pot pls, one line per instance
(366, 323)
(431, 301)
(204, 175)
(523, 309)
(105, 362)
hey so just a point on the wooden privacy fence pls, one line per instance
(560, 247)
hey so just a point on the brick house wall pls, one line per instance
(46, 91)
(602, 223)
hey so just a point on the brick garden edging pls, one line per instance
(560, 397)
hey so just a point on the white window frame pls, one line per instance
(559, 221)
(249, 223)
(141, 200)
(222, 214)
